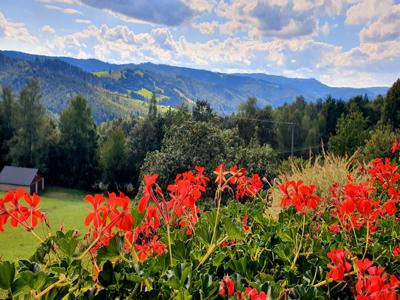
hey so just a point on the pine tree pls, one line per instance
(78, 145)
(29, 121)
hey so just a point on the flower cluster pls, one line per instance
(355, 207)
(227, 287)
(245, 186)
(340, 264)
(144, 237)
(181, 207)
(299, 195)
(372, 282)
(27, 215)
(396, 145)
(383, 172)
(106, 215)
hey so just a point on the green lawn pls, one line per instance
(63, 206)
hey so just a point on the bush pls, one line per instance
(376, 144)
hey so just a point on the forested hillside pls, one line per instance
(119, 90)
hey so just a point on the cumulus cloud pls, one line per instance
(201, 5)
(386, 28)
(207, 27)
(48, 29)
(284, 19)
(171, 12)
(15, 31)
(367, 10)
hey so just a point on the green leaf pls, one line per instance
(106, 276)
(232, 230)
(7, 274)
(284, 236)
(111, 251)
(67, 245)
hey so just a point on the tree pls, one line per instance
(6, 125)
(202, 111)
(152, 114)
(185, 146)
(391, 106)
(246, 119)
(29, 123)
(351, 133)
(114, 159)
(265, 130)
(78, 145)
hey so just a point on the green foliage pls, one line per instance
(202, 111)
(6, 123)
(391, 106)
(351, 133)
(78, 145)
(114, 158)
(257, 159)
(31, 127)
(185, 146)
(377, 144)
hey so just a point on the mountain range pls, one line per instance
(115, 90)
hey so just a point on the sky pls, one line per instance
(339, 42)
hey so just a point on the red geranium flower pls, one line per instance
(226, 286)
(340, 264)
(299, 195)
(396, 250)
(254, 295)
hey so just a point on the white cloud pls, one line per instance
(171, 12)
(367, 10)
(48, 29)
(201, 5)
(275, 18)
(15, 31)
(68, 11)
(385, 28)
(325, 28)
(82, 21)
(207, 27)
(71, 11)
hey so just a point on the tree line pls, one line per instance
(72, 150)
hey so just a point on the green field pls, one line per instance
(63, 206)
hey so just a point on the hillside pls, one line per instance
(60, 82)
(114, 90)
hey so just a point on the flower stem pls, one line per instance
(210, 251)
(300, 244)
(327, 281)
(36, 236)
(218, 196)
(50, 287)
(169, 243)
(366, 240)
(90, 247)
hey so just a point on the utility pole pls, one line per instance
(292, 145)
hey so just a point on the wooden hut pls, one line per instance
(29, 179)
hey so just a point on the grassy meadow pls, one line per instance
(63, 206)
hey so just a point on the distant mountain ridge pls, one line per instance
(115, 90)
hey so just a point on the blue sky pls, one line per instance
(339, 42)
